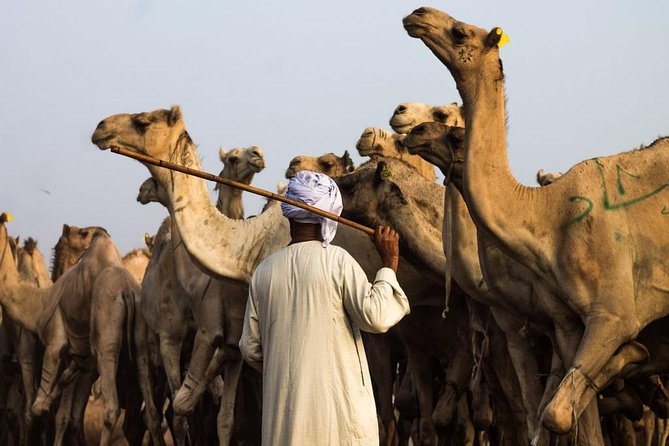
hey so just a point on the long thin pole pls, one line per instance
(245, 187)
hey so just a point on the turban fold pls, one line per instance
(317, 190)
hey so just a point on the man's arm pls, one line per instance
(376, 307)
(249, 343)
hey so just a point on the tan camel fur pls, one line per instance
(408, 115)
(136, 262)
(575, 235)
(35, 310)
(515, 297)
(32, 269)
(376, 143)
(329, 164)
(98, 304)
(71, 245)
(239, 165)
(218, 305)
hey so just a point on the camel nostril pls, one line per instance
(400, 109)
(420, 11)
(257, 152)
(100, 125)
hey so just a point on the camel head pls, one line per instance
(156, 133)
(391, 192)
(329, 164)
(408, 115)
(544, 179)
(71, 246)
(375, 142)
(463, 48)
(31, 264)
(440, 145)
(152, 192)
(241, 164)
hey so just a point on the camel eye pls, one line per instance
(140, 120)
(84, 234)
(233, 160)
(459, 34)
(440, 116)
(326, 165)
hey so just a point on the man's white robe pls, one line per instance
(307, 304)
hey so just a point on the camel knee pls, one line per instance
(110, 415)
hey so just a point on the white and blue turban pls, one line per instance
(317, 190)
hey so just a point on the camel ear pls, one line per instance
(221, 153)
(495, 37)
(457, 135)
(174, 115)
(348, 162)
(66, 229)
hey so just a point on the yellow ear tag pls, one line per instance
(8, 217)
(504, 39)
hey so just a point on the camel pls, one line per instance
(375, 143)
(544, 179)
(408, 115)
(514, 288)
(136, 262)
(576, 235)
(218, 305)
(72, 244)
(238, 165)
(34, 309)
(97, 302)
(329, 164)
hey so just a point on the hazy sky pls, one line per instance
(584, 78)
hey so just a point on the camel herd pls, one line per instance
(539, 315)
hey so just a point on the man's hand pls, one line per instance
(387, 242)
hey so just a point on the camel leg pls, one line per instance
(420, 368)
(26, 351)
(649, 427)
(464, 422)
(604, 333)
(662, 431)
(525, 366)
(170, 352)
(226, 413)
(107, 353)
(568, 335)
(64, 411)
(56, 347)
(151, 414)
(79, 403)
(209, 336)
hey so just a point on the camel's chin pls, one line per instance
(401, 128)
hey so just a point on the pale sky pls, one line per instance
(584, 78)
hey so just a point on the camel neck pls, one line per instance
(230, 202)
(222, 246)
(498, 203)
(12, 291)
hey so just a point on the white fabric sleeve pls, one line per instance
(372, 307)
(249, 343)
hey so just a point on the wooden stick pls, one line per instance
(245, 187)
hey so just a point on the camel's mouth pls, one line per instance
(257, 163)
(399, 125)
(415, 25)
(365, 145)
(415, 147)
(103, 142)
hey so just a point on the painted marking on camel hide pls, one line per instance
(607, 201)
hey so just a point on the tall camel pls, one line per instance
(329, 164)
(34, 309)
(576, 235)
(377, 143)
(408, 115)
(218, 305)
(97, 301)
(516, 298)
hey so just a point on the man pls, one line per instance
(307, 304)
